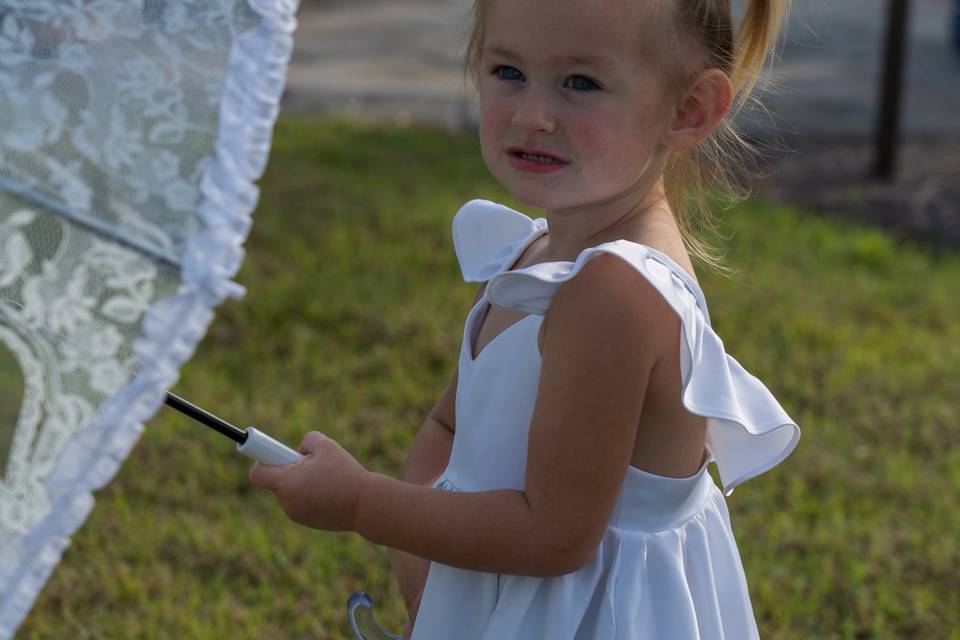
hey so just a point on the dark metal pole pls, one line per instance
(956, 25)
(888, 123)
(200, 415)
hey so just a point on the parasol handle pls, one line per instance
(250, 441)
(265, 449)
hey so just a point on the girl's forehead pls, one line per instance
(577, 28)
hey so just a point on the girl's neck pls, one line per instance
(575, 229)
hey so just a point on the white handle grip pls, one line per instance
(265, 449)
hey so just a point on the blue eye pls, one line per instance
(508, 73)
(581, 83)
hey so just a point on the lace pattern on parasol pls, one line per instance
(136, 131)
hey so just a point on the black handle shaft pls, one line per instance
(205, 417)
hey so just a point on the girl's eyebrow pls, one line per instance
(599, 62)
(500, 51)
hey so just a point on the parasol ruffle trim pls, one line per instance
(172, 327)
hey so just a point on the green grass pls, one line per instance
(11, 396)
(351, 325)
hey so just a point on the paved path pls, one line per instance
(396, 60)
(832, 62)
(399, 60)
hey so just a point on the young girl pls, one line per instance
(559, 487)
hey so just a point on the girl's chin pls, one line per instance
(536, 201)
(553, 199)
(537, 196)
(548, 196)
(547, 201)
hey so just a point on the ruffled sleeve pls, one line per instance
(748, 432)
(489, 237)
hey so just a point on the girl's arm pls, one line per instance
(593, 381)
(428, 457)
(430, 451)
(594, 375)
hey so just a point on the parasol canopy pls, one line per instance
(130, 136)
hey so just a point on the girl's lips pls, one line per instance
(534, 160)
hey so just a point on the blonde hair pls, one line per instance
(703, 30)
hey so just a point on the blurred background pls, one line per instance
(843, 302)
(400, 62)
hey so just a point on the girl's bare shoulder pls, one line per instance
(609, 300)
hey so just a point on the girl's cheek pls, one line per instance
(594, 139)
(487, 143)
(495, 118)
(495, 114)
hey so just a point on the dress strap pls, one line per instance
(681, 273)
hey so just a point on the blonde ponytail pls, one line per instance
(756, 38)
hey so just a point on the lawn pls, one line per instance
(351, 325)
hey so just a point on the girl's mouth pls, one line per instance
(534, 160)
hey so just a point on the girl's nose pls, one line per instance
(534, 113)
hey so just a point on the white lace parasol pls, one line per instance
(130, 136)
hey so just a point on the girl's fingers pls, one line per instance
(265, 476)
(311, 441)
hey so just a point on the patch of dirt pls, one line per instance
(833, 177)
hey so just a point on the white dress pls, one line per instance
(667, 567)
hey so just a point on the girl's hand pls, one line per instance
(319, 491)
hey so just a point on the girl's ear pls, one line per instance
(701, 109)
